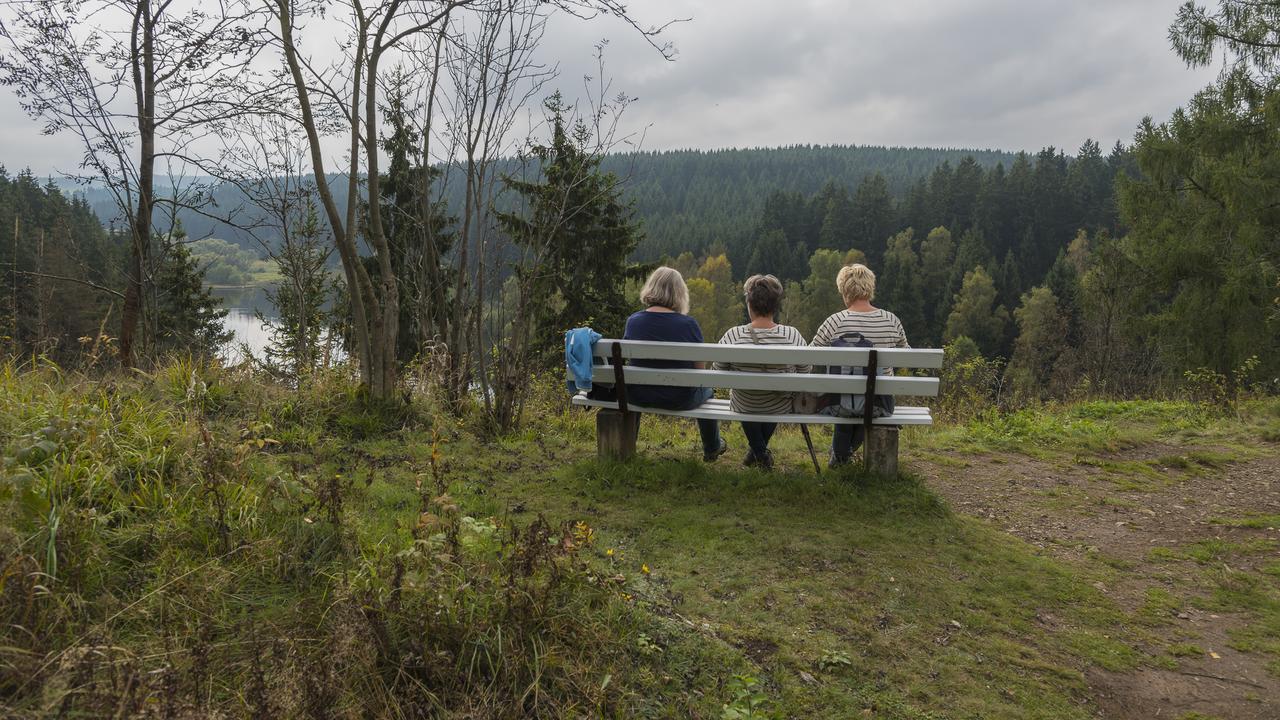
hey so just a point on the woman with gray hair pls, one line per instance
(763, 294)
(666, 319)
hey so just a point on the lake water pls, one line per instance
(242, 304)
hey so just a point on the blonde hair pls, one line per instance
(763, 294)
(665, 288)
(856, 282)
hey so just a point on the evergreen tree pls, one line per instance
(775, 254)
(838, 222)
(1204, 221)
(578, 232)
(971, 252)
(898, 284)
(1009, 281)
(873, 210)
(188, 316)
(416, 228)
(301, 299)
(937, 255)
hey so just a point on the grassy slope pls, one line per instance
(845, 596)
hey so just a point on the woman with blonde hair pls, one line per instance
(857, 285)
(763, 295)
(666, 319)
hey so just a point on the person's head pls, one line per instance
(665, 288)
(856, 282)
(763, 294)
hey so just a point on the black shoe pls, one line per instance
(835, 463)
(713, 456)
(764, 462)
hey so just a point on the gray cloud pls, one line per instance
(1013, 74)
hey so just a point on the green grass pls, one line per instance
(218, 546)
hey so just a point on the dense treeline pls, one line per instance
(61, 270)
(685, 199)
(63, 277)
(1071, 274)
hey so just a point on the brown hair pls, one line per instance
(763, 294)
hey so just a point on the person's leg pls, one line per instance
(757, 440)
(712, 446)
(845, 439)
(767, 429)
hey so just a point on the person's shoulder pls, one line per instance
(891, 317)
(791, 333)
(836, 318)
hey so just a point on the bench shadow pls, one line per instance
(724, 487)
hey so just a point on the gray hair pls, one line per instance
(666, 288)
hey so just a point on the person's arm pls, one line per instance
(902, 336)
(724, 340)
(798, 339)
(822, 338)
(695, 335)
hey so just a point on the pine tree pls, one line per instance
(873, 210)
(937, 255)
(301, 299)
(580, 233)
(189, 317)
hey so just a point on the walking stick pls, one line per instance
(809, 441)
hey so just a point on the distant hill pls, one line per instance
(691, 199)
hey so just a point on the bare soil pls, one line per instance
(1093, 513)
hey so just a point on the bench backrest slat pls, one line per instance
(785, 382)
(908, 358)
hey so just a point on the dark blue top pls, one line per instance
(662, 327)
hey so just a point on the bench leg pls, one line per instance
(616, 434)
(881, 450)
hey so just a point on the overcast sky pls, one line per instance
(1009, 74)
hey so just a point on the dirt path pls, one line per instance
(1092, 513)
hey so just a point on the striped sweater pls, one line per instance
(881, 327)
(761, 402)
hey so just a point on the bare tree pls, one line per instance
(139, 83)
(345, 96)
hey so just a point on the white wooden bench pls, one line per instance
(617, 422)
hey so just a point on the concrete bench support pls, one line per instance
(881, 451)
(616, 434)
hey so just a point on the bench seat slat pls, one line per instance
(909, 358)
(784, 382)
(716, 409)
